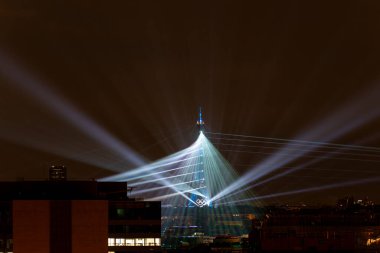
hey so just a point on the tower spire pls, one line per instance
(200, 122)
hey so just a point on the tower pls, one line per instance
(199, 176)
(200, 122)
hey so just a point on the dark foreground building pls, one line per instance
(60, 216)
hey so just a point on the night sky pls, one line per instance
(141, 69)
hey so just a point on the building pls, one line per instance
(134, 226)
(60, 216)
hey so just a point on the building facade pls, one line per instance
(60, 216)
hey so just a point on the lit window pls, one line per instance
(120, 212)
(149, 241)
(129, 242)
(158, 241)
(111, 241)
(139, 242)
(120, 241)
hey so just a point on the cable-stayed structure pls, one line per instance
(190, 177)
(281, 159)
(185, 183)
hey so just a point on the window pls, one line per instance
(120, 242)
(9, 244)
(120, 212)
(149, 241)
(139, 242)
(130, 242)
(111, 241)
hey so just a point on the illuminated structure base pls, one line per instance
(211, 221)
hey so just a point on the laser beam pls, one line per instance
(306, 190)
(41, 92)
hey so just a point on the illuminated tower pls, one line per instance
(200, 122)
(199, 176)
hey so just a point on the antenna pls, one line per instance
(200, 122)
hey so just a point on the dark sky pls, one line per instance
(141, 69)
